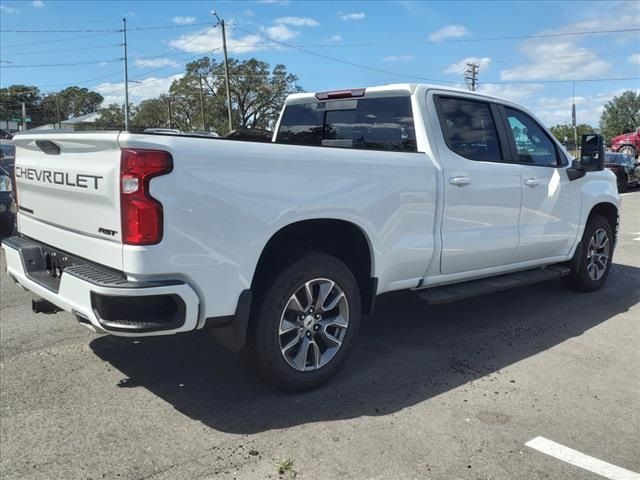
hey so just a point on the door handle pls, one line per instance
(532, 182)
(459, 181)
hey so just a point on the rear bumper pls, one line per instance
(101, 296)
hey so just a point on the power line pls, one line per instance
(96, 47)
(102, 30)
(56, 41)
(456, 40)
(107, 30)
(340, 60)
(40, 65)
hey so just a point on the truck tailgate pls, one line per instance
(69, 193)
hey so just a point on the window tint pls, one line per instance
(368, 123)
(469, 129)
(301, 124)
(532, 143)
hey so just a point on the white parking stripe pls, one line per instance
(581, 460)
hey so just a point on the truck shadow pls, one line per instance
(407, 353)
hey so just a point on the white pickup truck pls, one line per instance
(282, 248)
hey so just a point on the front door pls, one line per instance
(550, 215)
(482, 192)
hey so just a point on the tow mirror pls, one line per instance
(592, 152)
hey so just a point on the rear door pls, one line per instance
(482, 192)
(551, 203)
(68, 192)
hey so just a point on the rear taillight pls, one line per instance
(141, 213)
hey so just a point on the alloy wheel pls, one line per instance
(313, 324)
(598, 254)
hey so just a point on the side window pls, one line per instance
(532, 143)
(469, 129)
(301, 124)
(384, 124)
(369, 124)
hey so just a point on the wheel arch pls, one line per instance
(340, 238)
(609, 211)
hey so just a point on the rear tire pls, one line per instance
(305, 322)
(591, 266)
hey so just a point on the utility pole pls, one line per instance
(126, 76)
(58, 112)
(202, 105)
(471, 76)
(24, 116)
(573, 120)
(226, 66)
(169, 108)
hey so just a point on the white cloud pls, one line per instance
(297, 21)
(184, 20)
(151, 87)
(563, 58)
(459, 68)
(554, 111)
(516, 93)
(351, 16)
(249, 13)
(37, 4)
(8, 10)
(450, 31)
(334, 38)
(211, 39)
(280, 32)
(398, 58)
(274, 2)
(558, 60)
(155, 62)
(635, 58)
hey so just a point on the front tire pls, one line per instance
(629, 150)
(589, 270)
(305, 322)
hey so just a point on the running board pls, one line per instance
(473, 288)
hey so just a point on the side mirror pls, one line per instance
(592, 152)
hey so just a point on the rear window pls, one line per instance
(469, 129)
(368, 123)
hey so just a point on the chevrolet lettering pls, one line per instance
(79, 180)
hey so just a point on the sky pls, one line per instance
(528, 52)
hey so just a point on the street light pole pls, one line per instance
(226, 66)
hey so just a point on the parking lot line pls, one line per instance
(581, 460)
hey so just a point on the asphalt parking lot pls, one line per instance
(447, 392)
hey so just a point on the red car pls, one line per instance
(628, 143)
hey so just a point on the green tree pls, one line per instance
(111, 117)
(561, 131)
(11, 99)
(621, 115)
(152, 113)
(72, 101)
(257, 94)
